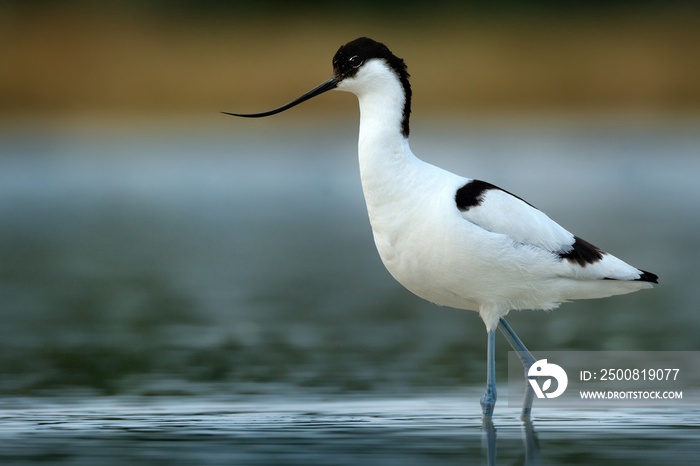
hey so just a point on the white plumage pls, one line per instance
(452, 240)
(499, 255)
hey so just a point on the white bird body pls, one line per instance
(457, 241)
(499, 255)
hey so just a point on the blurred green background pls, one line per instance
(150, 245)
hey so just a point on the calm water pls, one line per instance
(339, 430)
(190, 296)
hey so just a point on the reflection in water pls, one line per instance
(532, 445)
(338, 430)
(530, 442)
(489, 440)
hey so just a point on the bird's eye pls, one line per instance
(355, 61)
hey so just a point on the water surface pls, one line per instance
(436, 429)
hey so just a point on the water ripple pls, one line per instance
(440, 429)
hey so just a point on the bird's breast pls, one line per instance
(419, 236)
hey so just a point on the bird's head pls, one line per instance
(360, 66)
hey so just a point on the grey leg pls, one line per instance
(488, 401)
(526, 358)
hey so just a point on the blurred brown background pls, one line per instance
(126, 57)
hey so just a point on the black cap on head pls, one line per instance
(351, 56)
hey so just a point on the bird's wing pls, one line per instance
(499, 211)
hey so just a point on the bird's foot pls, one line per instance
(488, 402)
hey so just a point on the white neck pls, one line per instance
(383, 149)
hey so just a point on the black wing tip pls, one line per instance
(645, 276)
(582, 253)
